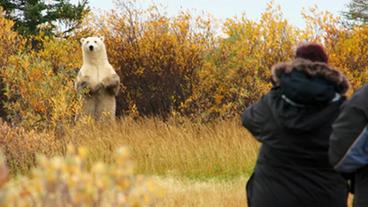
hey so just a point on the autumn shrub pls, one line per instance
(39, 85)
(237, 70)
(68, 181)
(350, 54)
(10, 44)
(156, 57)
(21, 146)
(168, 66)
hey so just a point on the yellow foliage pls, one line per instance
(237, 70)
(40, 84)
(10, 44)
(68, 181)
(169, 65)
(156, 56)
(10, 41)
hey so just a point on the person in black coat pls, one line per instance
(293, 122)
(349, 145)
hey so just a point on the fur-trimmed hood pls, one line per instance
(311, 69)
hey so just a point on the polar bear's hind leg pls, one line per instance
(106, 107)
(90, 107)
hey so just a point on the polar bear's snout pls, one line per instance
(91, 47)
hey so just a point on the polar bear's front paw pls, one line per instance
(97, 88)
(111, 81)
(112, 84)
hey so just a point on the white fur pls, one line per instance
(97, 73)
(95, 63)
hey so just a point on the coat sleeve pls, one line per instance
(255, 117)
(349, 139)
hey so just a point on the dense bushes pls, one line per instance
(237, 70)
(39, 84)
(10, 43)
(169, 65)
(156, 57)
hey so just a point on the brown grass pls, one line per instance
(188, 193)
(20, 147)
(175, 148)
(197, 164)
(219, 156)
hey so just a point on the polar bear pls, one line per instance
(97, 80)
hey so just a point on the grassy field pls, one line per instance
(195, 164)
(222, 150)
(189, 193)
(204, 165)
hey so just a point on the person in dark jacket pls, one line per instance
(349, 144)
(293, 122)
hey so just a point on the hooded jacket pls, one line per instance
(293, 123)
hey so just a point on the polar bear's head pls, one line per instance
(93, 44)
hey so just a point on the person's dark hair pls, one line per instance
(313, 52)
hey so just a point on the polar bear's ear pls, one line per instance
(102, 38)
(82, 40)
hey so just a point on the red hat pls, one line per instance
(313, 52)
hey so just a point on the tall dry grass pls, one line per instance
(175, 148)
(197, 164)
(219, 156)
(188, 193)
(21, 146)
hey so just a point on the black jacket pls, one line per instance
(349, 144)
(293, 123)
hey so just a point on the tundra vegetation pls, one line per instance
(183, 88)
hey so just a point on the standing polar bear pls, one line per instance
(97, 80)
